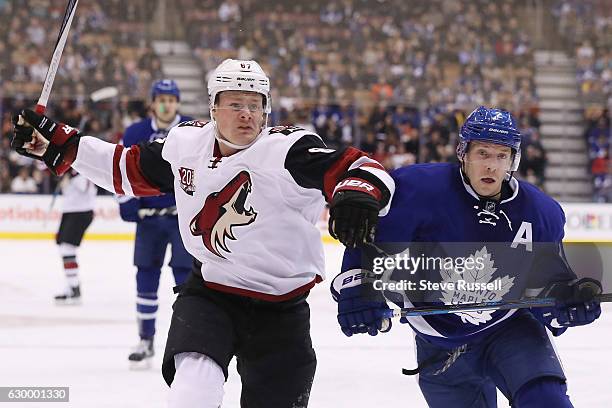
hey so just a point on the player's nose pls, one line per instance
(244, 113)
(491, 167)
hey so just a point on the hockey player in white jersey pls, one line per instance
(77, 204)
(248, 198)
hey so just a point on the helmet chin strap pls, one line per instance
(469, 183)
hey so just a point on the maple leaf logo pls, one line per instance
(477, 275)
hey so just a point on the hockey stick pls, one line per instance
(56, 192)
(41, 105)
(103, 94)
(57, 55)
(475, 307)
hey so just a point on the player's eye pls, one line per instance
(252, 107)
(502, 156)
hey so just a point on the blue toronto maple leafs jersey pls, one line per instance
(516, 240)
(147, 130)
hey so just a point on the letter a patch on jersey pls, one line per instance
(523, 237)
(222, 211)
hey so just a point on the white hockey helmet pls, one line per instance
(239, 75)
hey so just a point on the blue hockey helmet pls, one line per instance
(165, 87)
(492, 126)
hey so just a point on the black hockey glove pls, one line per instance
(353, 212)
(22, 134)
(63, 140)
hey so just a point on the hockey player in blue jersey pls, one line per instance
(157, 222)
(464, 357)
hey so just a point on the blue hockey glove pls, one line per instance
(576, 305)
(361, 308)
(129, 210)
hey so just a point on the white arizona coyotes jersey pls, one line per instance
(78, 194)
(249, 218)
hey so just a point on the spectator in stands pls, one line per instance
(401, 157)
(599, 139)
(600, 128)
(369, 144)
(533, 164)
(24, 183)
(5, 178)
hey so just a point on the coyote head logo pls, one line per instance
(222, 211)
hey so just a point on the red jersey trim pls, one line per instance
(117, 170)
(264, 296)
(333, 174)
(140, 185)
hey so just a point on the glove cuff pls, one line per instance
(59, 159)
(62, 134)
(358, 184)
(350, 279)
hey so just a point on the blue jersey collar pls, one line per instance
(176, 121)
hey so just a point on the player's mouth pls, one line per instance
(487, 180)
(245, 128)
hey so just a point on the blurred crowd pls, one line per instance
(587, 29)
(397, 84)
(106, 45)
(598, 136)
(435, 53)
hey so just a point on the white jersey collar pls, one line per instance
(514, 185)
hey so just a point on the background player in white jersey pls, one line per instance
(77, 204)
(157, 222)
(248, 199)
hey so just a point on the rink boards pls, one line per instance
(37, 217)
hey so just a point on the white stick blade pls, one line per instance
(104, 93)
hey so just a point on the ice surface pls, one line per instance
(86, 347)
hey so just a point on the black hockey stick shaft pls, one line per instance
(57, 55)
(475, 307)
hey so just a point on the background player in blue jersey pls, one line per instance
(477, 204)
(156, 218)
